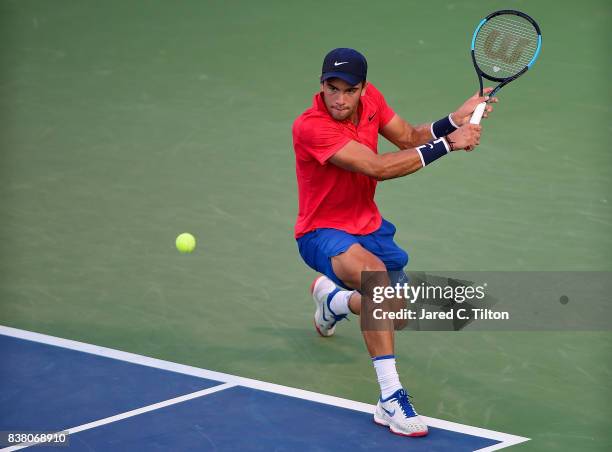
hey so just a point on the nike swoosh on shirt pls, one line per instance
(338, 64)
(371, 117)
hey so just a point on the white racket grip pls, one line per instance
(478, 112)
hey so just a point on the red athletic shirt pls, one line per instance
(329, 196)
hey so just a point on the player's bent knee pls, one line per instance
(376, 272)
(373, 265)
(349, 266)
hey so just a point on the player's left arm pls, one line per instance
(404, 135)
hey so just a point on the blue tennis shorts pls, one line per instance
(319, 246)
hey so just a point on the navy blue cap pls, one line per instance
(346, 64)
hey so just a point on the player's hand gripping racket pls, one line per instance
(505, 44)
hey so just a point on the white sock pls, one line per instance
(388, 379)
(339, 303)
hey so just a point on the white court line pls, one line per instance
(127, 414)
(505, 439)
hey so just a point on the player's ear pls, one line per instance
(363, 88)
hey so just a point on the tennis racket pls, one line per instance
(504, 46)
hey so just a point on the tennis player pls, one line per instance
(339, 230)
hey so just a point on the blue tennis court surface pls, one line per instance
(112, 400)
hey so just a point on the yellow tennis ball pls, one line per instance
(185, 242)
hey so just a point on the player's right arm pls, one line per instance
(358, 158)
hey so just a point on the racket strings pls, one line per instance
(504, 45)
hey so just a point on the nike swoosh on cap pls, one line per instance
(338, 64)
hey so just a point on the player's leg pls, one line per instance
(331, 296)
(348, 267)
(393, 409)
(333, 302)
(323, 248)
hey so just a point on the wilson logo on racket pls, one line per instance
(502, 52)
(504, 46)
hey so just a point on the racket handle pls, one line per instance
(478, 112)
